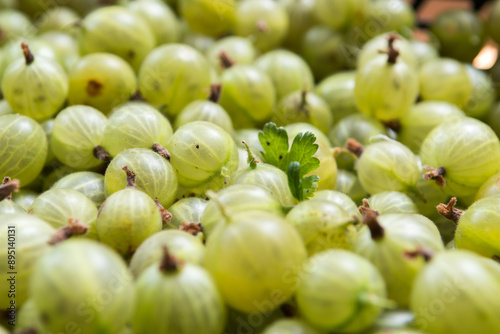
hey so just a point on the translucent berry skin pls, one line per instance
(264, 20)
(174, 75)
(249, 258)
(209, 17)
(31, 242)
(288, 72)
(341, 199)
(268, 177)
(402, 233)
(338, 92)
(445, 79)
(135, 125)
(183, 246)
(119, 31)
(483, 94)
(23, 148)
(388, 166)
(126, 219)
(37, 90)
(238, 198)
(154, 174)
(248, 95)
(77, 131)
(8, 206)
(478, 229)
(88, 183)
(335, 290)
(102, 81)
(386, 91)
(189, 210)
(468, 150)
(348, 183)
(322, 225)
(74, 280)
(56, 206)
(339, 14)
(65, 47)
(160, 18)
(422, 118)
(203, 155)
(203, 110)
(301, 106)
(356, 126)
(449, 287)
(392, 202)
(239, 49)
(185, 301)
(14, 24)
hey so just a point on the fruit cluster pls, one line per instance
(247, 166)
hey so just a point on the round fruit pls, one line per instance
(174, 75)
(155, 175)
(186, 210)
(34, 86)
(160, 18)
(77, 135)
(83, 283)
(461, 34)
(302, 106)
(239, 49)
(209, 17)
(340, 291)
(388, 166)
(392, 202)
(288, 72)
(422, 118)
(102, 81)
(248, 95)
(182, 246)
(237, 198)
(254, 258)
(466, 152)
(264, 21)
(184, 297)
(127, 218)
(386, 242)
(203, 155)
(338, 92)
(23, 148)
(289, 326)
(135, 125)
(466, 282)
(25, 239)
(322, 225)
(119, 31)
(88, 183)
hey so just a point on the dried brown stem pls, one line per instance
(101, 154)
(27, 53)
(370, 219)
(137, 96)
(215, 90)
(436, 174)
(449, 211)
(366, 207)
(191, 228)
(165, 215)
(303, 102)
(168, 262)
(130, 177)
(161, 151)
(226, 61)
(354, 147)
(74, 227)
(391, 52)
(29, 330)
(496, 258)
(8, 187)
(426, 254)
